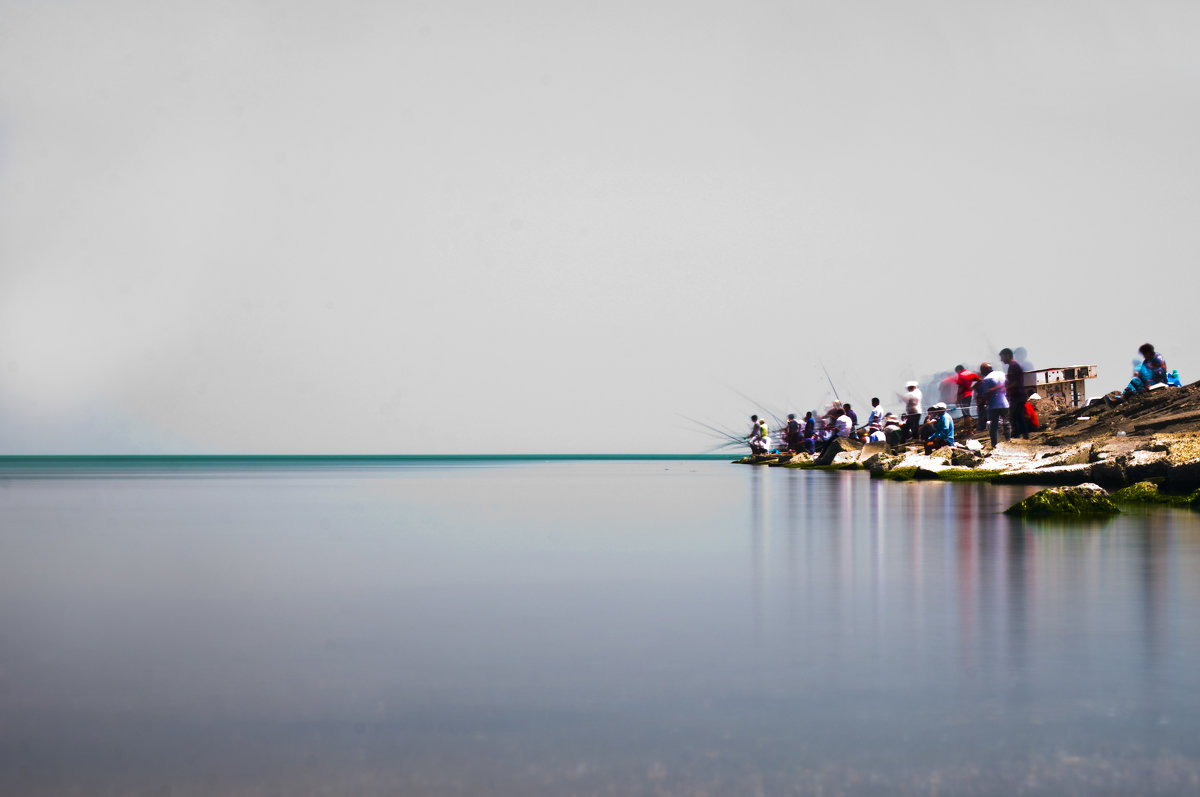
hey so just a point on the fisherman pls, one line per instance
(844, 424)
(927, 425)
(991, 388)
(892, 429)
(875, 434)
(942, 433)
(757, 436)
(1015, 389)
(876, 416)
(912, 405)
(791, 434)
(853, 416)
(810, 427)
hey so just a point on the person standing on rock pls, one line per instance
(1015, 388)
(991, 389)
(912, 406)
(965, 380)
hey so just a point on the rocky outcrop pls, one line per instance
(1152, 438)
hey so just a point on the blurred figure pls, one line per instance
(991, 389)
(1015, 388)
(852, 415)
(965, 381)
(912, 407)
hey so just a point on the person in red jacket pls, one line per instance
(966, 387)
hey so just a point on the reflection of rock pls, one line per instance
(1084, 499)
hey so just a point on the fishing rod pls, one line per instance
(834, 389)
(730, 436)
(776, 417)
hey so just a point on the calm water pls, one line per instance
(590, 628)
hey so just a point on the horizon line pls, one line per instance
(26, 459)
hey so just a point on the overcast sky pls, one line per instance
(418, 227)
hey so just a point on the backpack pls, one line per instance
(1031, 413)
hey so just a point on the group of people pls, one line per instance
(1000, 401)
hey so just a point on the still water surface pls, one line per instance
(630, 628)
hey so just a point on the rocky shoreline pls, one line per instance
(1149, 439)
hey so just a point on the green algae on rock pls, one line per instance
(1085, 499)
(905, 474)
(967, 475)
(1147, 492)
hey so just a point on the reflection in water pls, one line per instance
(588, 628)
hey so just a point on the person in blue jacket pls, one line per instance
(943, 429)
(1152, 371)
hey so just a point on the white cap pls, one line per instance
(910, 383)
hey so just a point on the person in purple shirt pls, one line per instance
(1015, 388)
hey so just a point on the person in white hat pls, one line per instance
(943, 428)
(912, 406)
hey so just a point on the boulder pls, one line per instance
(800, 460)
(838, 445)
(1085, 499)
(1144, 493)
(964, 458)
(879, 464)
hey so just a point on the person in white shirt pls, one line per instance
(992, 388)
(845, 427)
(876, 416)
(912, 405)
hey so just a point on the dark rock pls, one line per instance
(962, 458)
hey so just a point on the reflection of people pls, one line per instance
(991, 389)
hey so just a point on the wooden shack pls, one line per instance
(1063, 386)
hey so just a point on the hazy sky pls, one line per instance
(392, 227)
